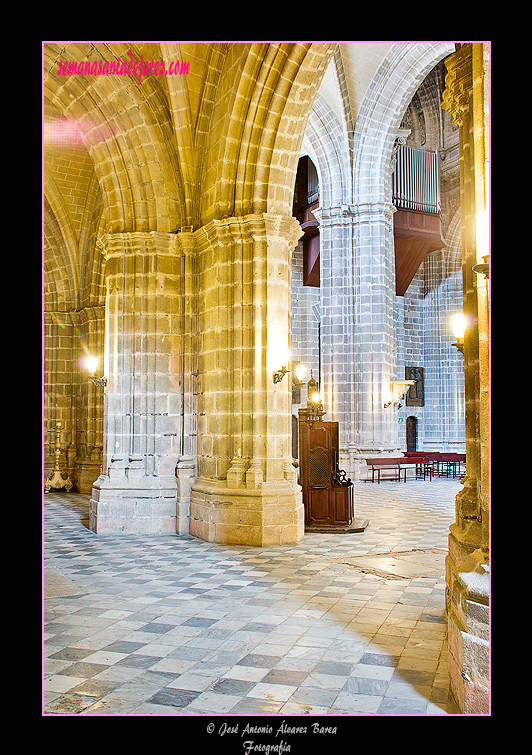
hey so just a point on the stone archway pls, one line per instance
(399, 75)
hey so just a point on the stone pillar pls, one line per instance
(137, 491)
(375, 324)
(186, 470)
(338, 324)
(467, 569)
(358, 327)
(90, 325)
(246, 491)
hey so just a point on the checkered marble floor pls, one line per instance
(175, 626)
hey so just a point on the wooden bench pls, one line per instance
(451, 464)
(382, 463)
(446, 464)
(422, 462)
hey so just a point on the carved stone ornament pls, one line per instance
(458, 84)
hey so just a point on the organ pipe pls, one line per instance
(415, 181)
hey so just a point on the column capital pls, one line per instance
(363, 212)
(118, 244)
(250, 226)
(458, 83)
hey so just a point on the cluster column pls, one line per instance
(338, 323)
(246, 491)
(137, 491)
(375, 326)
(358, 327)
(90, 325)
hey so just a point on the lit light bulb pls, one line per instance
(91, 363)
(300, 372)
(458, 325)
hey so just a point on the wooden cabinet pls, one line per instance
(327, 494)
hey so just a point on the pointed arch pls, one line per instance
(401, 72)
(127, 129)
(267, 93)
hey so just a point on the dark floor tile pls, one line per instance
(282, 676)
(71, 654)
(379, 659)
(232, 687)
(156, 628)
(57, 627)
(201, 575)
(335, 668)
(177, 698)
(123, 646)
(198, 621)
(84, 670)
(260, 661)
(138, 661)
(190, 653)
(136, 581)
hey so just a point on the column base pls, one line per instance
(145, 506)
(270, 515)
(87, 471)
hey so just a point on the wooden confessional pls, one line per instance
(327, 494)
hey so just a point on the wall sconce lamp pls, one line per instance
(458, 326)
(483, 268)
(298, 381)
(398, 390)
(91, 364)
(279, 375)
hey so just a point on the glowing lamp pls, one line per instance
(91, 363)
(458, 326)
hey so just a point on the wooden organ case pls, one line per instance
(327, 494)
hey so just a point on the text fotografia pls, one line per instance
(122, 68)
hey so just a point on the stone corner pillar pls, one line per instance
(137, 491)
(246, 492)
(467, 566)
